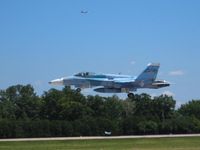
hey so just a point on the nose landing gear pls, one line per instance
(130, 95)
(78, 90)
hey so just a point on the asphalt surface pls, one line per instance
(99, 137)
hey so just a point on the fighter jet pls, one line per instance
(84, 12)
(114, 83)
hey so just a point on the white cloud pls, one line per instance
(133, 62)
(176, 73)
(168, 93)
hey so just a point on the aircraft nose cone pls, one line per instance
(56, 82)
(167, 83)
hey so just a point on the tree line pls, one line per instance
(68, 113)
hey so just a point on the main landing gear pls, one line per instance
(130, 95)
(78, 90)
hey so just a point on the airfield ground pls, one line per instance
(166, 143)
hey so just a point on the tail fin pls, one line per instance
(150, 73)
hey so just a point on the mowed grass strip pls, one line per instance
(183, 143)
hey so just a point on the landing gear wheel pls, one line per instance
(78, 90)
(130, 95)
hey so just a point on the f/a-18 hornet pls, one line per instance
(114, 83)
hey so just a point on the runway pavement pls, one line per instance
(100, 137)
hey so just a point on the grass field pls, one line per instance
(186, 143)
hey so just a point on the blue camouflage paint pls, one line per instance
(114, 83)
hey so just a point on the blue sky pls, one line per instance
(44, 39)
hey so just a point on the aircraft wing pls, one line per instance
(115, 80)
(130, 80)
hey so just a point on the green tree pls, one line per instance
(148, 127)
(96, 104)
(51, 107)
(19, 102)
(73, 105)
(192, 108)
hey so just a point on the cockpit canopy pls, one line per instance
(84, 74)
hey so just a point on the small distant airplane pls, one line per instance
(84, 12)
(114, 83)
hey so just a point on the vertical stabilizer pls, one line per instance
(150, 73)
